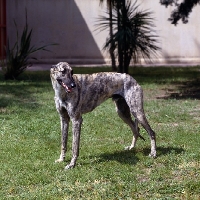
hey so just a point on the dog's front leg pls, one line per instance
(64, 120)
(76, 129)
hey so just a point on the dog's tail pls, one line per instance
(141, 137)
(139, 131)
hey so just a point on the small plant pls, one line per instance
(17, 57)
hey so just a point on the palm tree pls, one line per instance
(133, 36)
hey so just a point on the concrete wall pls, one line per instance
(71, 23)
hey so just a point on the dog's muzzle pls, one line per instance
(68, 88)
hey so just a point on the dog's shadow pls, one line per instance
(124, 157)
(130, 157)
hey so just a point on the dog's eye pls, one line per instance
(63, 72)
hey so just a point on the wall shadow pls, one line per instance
(59, 22)
(82, 40)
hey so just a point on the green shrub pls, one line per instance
(17, 57)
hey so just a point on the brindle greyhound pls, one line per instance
(76, 94)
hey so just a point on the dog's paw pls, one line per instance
(59, 160)
(152, 155)
(68, 167)
(129, 148)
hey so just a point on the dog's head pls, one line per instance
(62, 73)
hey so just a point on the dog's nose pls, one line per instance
(73, 85)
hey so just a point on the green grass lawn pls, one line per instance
(30, 142)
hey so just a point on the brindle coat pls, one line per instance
(79, 93)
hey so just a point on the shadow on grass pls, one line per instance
(183, 90)
(164, 151)
(22, 92)
(164, 74)
(20, 95)
(129, 157)
(124, 157)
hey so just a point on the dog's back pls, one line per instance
(96, 88)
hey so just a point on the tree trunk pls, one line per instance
(112, 48)
(119, 45)
(122, 42)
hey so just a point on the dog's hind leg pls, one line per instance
(143, 121)
(135, 103)
(124, 113)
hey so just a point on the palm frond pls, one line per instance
(133, 32)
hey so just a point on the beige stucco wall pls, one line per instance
(179, 43)
(71, 23)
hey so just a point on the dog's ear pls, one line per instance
(53, 66)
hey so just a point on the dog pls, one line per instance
(77, 94)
